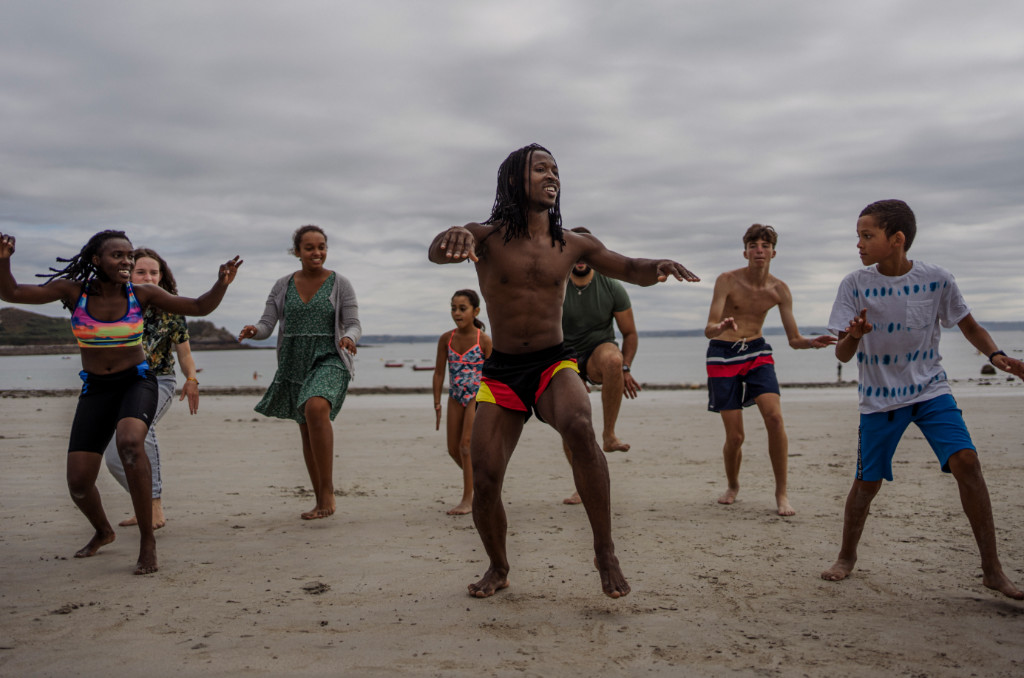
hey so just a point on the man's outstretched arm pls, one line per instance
(643, 272)
(797, 340)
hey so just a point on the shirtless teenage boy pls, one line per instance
(741, 371)
(523, 259)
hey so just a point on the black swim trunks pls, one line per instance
(516, 381)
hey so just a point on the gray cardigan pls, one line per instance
(346, 315)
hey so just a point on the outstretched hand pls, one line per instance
(667, 268)
(227, 271)
(859, 326)
(248, 332)
(1008, 364)
(822, 341)
(6, 246)
(458, 244)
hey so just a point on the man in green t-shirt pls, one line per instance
(592, 303)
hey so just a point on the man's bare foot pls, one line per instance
(613, 582)
(147, 559)
(491, 583)
(784, 508)
(729, 496)
(613, 444)
(158, 517)
(464, 507)
(574, 499)
(101, 538)
(320, 511)
(1000, 582)
(839, 571)
(317, 513)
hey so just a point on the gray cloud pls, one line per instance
(209, 129)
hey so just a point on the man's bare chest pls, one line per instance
(749, 301)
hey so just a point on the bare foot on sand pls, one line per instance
(462, 509)
(101, 538)
(491, 583)
(839, 571)
(1000, 582)
(613, 444)
(729, 496)
(147, 558)
(574, 499)
(613, 582)
(317, 513)
(320, 511)
(158, 517)
(784, 508)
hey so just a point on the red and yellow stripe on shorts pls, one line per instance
(493, 391)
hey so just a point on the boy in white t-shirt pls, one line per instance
(888, 316)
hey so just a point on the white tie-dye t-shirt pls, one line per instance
(898, 361)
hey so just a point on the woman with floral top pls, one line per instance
(164, 334)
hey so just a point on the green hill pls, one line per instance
(24, 328)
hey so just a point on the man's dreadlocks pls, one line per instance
(511, 202)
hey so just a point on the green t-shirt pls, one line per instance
(587, 313)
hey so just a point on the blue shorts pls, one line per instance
(738, 372)
(939, 419)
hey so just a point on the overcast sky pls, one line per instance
(209, 129)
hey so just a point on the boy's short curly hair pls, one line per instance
(760, 232)
(893, 216)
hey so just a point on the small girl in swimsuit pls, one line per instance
(463, 349)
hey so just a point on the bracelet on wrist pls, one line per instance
(192, 379)
(995, 353)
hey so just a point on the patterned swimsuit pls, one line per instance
(464, 370)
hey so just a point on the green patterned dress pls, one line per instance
(308, 363)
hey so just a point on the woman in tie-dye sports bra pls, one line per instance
(119, 391)
(463, 350)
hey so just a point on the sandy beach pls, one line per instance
(245, 587)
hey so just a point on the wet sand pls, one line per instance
(246, 587)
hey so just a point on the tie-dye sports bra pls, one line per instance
(92, 333)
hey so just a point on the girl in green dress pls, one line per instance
(320, 327)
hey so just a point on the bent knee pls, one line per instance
(734, 439)
(131, 453)
(773, 420)
(964, 462)
(317, 408)
(579, 429)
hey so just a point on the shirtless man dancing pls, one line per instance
(523, 259)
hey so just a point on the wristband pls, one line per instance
(192, 379)
(625, 367)
(995, 353)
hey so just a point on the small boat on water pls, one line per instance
(394, 363)
(422, 368)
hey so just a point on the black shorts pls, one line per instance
(516, 381)
(107, 399)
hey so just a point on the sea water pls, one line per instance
(659, 360)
